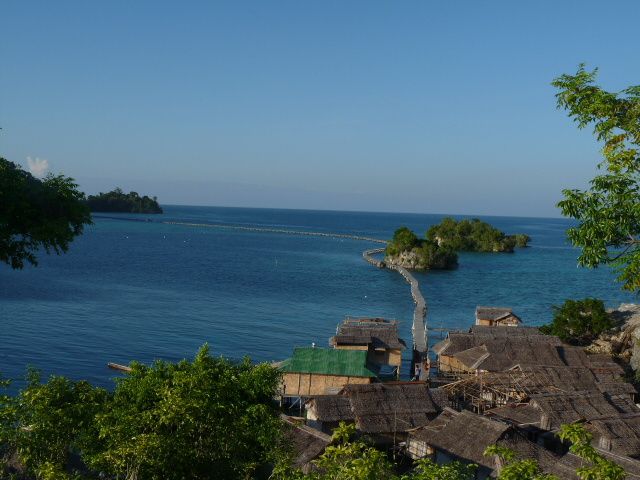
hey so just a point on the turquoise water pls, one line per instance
(145, 290)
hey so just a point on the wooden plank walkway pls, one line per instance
(418, 329)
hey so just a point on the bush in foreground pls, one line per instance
(204, 419)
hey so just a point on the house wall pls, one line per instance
(418, 449)
(386, 357)
(352, 347)
(511, 320)
(309, 384)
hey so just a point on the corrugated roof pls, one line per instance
(325, 361)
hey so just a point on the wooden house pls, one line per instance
(496, 317)
(319, 371)
(377, 336)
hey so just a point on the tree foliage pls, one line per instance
(48, 422)
(597, 467)
(513, 468)
(37, 214)
(608, 213)
(579, 321)
(350, 459)
(204, 419)
(118, 201)
(473, 235)
(427, 254)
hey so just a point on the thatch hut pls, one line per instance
(385, 411)
(461, 436)
(377, 336)
(496, 316)
(318, 371)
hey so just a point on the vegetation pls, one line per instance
(597, 467)
(37, 214)
(514, 468)
(438, 249)
(206, 419)
(424, 254)
(203, 419)
(472, 235)
(607, 213)
(579, 321)
(348, 459)
(118, 201)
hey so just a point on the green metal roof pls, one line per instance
(328, 361)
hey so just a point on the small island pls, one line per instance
(116, 201)
(407, 250)
(472, 235)
(438, 251)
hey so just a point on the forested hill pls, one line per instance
(118, 201)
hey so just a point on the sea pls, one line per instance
(134, 288)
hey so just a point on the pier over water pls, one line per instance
(419, 328)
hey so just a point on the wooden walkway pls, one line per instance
(418, 328)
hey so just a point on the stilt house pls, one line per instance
(320, 371)
(385, 411)
(496, 317)
(377, 336)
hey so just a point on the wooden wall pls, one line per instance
(309, 384)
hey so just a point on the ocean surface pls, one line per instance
(144, 290)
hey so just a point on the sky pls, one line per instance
(412, 106)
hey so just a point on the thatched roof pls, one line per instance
(465, 435)
(504, 331)
(548, 461)
(381, 407)
(306, 443)
(440, 397)
(491, 336)
(391, 407)
(485, 349)
(472, 358)
(621, 434)
(375, 332)
(558, 409)
(331, 408)
(521, 414)
(493, 313)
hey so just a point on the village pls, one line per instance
(499, 383)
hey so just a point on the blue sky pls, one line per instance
(438, 107)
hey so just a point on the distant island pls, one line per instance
(120, 202)
(439, 249)
(472, 235)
